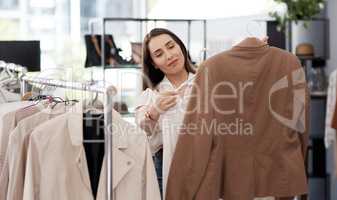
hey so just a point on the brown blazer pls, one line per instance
(245, 132)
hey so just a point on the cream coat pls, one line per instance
(9, 122)
(57, 167)
(18, 146)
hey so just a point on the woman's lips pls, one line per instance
(173, 62)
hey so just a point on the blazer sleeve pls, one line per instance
(303, 119)
(194, 146)
(33, 173)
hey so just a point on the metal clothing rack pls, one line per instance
(108, 92)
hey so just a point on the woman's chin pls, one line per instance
(174, 70)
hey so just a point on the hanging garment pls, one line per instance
(9, 116)
(331, 117)
(330, 131)
(57, 165)
(6, 96)
(18, 147)
(6, 108)
(10, 121)
(246, 128)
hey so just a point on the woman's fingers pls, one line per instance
(169, 93)
(170, 99)
(169, 102)
(171, 105)
(166, 100)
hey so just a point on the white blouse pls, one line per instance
(169, 122)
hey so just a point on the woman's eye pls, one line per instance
(159, 54)
(171, 46)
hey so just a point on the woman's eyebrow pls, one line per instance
(157, 51)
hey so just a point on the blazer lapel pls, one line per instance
(75, 129)
(122, 164)
(81, 163)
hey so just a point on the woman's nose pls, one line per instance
(169, 56)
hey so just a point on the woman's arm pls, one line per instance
(146, 121)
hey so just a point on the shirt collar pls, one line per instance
(166, 84)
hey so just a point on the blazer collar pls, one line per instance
(251, 42)
(75, 127)
(122, 164)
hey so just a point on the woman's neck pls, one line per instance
(177, 79)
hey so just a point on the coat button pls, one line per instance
(128, 163)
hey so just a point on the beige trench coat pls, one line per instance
(57, 166)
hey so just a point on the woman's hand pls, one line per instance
(265, 39)
(164, 101)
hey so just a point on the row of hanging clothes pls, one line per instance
(51, 148)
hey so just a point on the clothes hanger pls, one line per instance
(3, 95)
(260, 32)
(92, 112)
(3, 74)
(93, 105)
(9, 77)
(249, 27)
(58, 100)
(14, 80)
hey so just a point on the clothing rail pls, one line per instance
(63, 84)
(13, 67)
(108, 92)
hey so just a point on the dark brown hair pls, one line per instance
(151, 75)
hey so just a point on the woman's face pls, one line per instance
(166, 54)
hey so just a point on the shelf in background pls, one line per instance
(318, 94)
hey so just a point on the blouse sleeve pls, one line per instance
(152, 128)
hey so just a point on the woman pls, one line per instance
(167, 74)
